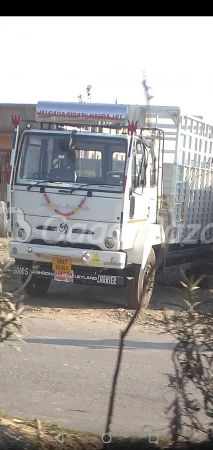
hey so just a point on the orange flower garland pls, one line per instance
(69, 214)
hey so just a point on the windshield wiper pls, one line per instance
(78, 188)
(57, 181)
(108, 185)
(42, 181)
(96, 186)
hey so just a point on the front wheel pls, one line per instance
(137, 293)
(36, 286)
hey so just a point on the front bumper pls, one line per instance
(79, 257)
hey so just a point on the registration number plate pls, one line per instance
(62, 264)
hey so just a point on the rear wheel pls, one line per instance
(135, 288)
(36, 286)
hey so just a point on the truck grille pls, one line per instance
(65, 244)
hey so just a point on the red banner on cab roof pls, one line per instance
(90, 114)
(80, 112)
(51, 114)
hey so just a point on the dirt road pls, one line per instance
(92, 304)
(66, 363)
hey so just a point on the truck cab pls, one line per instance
(83, 198)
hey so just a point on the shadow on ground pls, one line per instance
(167, 294)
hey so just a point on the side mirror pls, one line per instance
(134, 182)
(72, 156)
(132, 206)
(72, 140)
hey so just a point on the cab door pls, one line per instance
(137, 194)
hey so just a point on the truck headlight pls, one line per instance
(22, 234)
(109, 242)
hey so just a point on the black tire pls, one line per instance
(135, 287)
(36, 286)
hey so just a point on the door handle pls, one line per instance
(148, 211)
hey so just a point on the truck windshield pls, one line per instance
(95, 160)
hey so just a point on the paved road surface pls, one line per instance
(64, 371)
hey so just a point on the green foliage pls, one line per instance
(11, 307)
(193, 364)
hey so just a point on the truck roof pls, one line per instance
(82, 132)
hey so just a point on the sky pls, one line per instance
(55, 58)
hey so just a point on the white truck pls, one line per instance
(85, 192)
